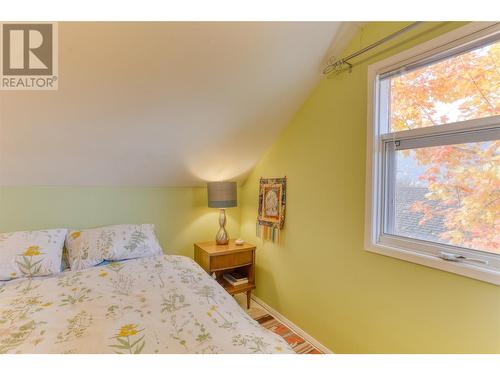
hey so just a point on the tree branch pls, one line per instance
(475, 84)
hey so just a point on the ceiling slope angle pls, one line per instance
(161, 104)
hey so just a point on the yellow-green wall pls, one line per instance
(320, 277)
(180, 215)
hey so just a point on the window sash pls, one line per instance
(482, 263)
(388, 207)
(465, 44)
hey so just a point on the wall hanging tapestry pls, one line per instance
(272, 203)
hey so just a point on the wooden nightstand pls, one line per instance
(223, 258)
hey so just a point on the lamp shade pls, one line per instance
(222, 194)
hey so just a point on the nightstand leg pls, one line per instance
(249, 296)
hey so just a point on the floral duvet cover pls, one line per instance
(162, 304)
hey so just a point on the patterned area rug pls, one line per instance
(298, 343)
(265, 319)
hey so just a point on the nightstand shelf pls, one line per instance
(232, 290)
(218, 259)
(229, 268)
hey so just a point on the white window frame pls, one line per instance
(412, 250)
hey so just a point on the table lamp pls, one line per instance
(222, 195)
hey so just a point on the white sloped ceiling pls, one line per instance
(160, 104)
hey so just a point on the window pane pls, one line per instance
(463, 87)
(449, 194)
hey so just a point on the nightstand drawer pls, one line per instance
(231, 260)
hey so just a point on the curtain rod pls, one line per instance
(339, 63)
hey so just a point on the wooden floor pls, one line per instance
(267, 320)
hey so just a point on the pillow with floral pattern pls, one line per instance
(90, 247)
(31, 253)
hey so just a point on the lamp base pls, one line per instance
(222, 238)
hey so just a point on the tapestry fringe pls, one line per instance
(265, 232)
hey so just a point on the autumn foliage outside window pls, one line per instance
(458, 201)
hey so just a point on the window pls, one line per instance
(433, 176)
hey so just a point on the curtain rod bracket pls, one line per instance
(349, 65)
(339, 63)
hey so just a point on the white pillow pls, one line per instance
(88, 248)
(33, 253)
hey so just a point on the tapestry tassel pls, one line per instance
(268, 233)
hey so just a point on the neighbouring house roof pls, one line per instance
(407, 221)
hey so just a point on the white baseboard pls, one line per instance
(293, 326)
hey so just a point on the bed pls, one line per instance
(159, 304)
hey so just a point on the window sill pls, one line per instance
(459, 268)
